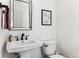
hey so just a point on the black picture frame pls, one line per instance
(46, 17)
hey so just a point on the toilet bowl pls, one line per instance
(49, 49)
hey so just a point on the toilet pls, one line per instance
(49, 49)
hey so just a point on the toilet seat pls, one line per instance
(56, 56)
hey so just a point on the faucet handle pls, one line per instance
(27, 37)
(16, 38)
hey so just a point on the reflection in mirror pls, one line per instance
(21, 14)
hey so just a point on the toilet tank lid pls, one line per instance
(49, 42)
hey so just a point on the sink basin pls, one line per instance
(19, 46)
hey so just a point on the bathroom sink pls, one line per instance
(28, 42)
(19, 46)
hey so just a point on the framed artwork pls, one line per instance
(46, 17)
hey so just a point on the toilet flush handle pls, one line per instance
(45, 45)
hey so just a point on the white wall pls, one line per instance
(38, 31)
(68, 27)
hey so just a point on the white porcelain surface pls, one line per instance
(56, 56)
(51, 47)
(18, 46)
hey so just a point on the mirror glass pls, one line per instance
(21, 14)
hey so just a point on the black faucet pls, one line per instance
(27, 37)
(22, 36)
(16, 38)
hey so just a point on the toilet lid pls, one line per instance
(57, 56)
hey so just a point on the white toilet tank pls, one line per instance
(49, 47)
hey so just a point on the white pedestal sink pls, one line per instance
(22, 47)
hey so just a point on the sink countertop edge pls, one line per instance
(19, 49)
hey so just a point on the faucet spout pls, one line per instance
(22, 36)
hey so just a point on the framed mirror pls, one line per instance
(21, 14)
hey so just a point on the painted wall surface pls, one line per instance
(38, 31)
(68, 27)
